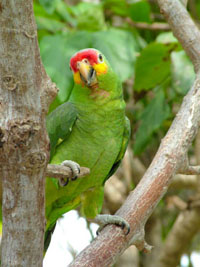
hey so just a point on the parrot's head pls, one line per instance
(88, 67)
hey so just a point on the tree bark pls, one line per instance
(25, 93)
(183, 28)
(187, 223)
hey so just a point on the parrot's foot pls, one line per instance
(75, 169)
(106, 219)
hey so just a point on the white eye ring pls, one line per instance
(100, 57)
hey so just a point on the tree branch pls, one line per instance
(190, 170)
(181, 181)
(139, 205)
(187, 223)
(156, 26)
(183, 28)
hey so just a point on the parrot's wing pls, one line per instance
(59, 123)
(126, 137)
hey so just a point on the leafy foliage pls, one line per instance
(152, 66)
(49, 5)
(140, 11)
(151, 119)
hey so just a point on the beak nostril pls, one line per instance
(87, 72)
(78, 65)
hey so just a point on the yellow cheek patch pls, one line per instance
(100, 68)
(77, 77)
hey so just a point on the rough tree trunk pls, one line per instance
(25, 93)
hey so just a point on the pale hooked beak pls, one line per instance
(87, 73)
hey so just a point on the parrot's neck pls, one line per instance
(104, 100)
(84, 95)
(96, 96)
(107, 90)
(101, 108)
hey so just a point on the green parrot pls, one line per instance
(89, 130)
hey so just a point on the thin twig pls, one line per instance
(191, 170)
(181, 181)
(156, 26)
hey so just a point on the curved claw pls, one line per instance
(99, 229)
(67, 181)
(127, 226)
(75, 168)
(106, 219)
(74, 178)
(63, 181)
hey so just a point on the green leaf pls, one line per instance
(91, 17)
(54, 57)
(49, 5)
(119, 47)
(151, 119)
(51, 25)
(152, 66)
(183, 74)
(140, 11)
(64, 12)
(119, 7)
(47, 22)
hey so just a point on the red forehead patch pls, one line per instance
(90, 54)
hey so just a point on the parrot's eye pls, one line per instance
(100, 58)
